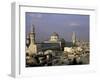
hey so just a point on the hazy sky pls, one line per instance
(64, 24)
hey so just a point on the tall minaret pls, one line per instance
(33, 46)
(32, 35)
(73, 38)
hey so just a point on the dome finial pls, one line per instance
(54, 34)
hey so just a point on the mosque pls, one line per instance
(53, 43)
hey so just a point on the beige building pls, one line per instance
(68, 49)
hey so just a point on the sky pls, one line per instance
(63, 24)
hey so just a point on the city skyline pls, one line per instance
(64, 24)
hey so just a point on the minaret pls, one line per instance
(32, 35)
(73, 38)
(33, 46)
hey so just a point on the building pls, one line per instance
(69, 45)
(68, 49)
(54, 37)
(54, 43)
(31, 47)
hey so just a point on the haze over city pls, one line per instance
(63, 24)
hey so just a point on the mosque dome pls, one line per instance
(54, 37)
(54, 34)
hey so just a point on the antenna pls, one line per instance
(32, 28)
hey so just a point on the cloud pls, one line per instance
(74, 24)
(39, 16)
(35, 15)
